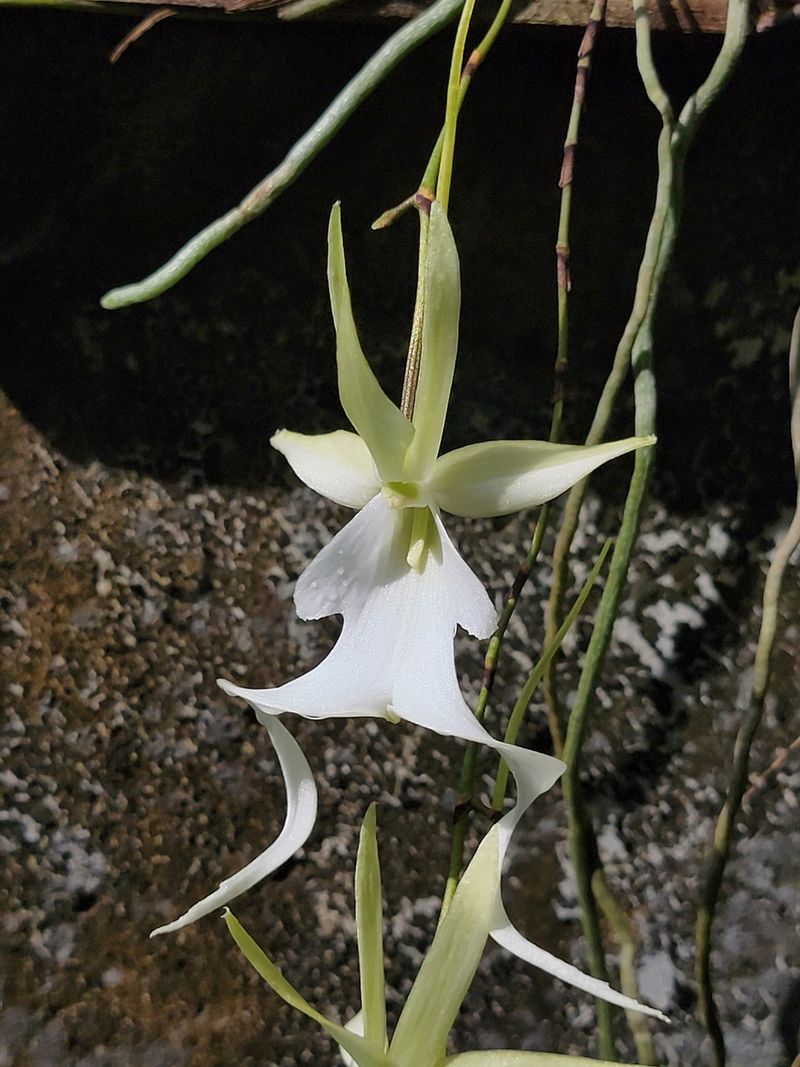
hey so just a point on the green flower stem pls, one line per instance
(625, 937)
(428, 183)
(453, 106)
(737, 782)
(457, 91)
(637, 342)
(405, 40)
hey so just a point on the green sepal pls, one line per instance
(363, 1053)
(369, 930)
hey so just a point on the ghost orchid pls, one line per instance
(392, 572)
(447, 971)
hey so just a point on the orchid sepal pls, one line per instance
(383, 426)
(500, 477)
(449, 965)
(369, 932)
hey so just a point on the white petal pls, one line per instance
(465, 592)
(442, 304)
(499, 477)
(504, 932)
(301, 812)
(509, 937)
(342, 577)
(355, 575)
(378, 420)
(337, 465)
(395, 653)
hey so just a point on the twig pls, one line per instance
(301, 9)
(426, 186)
(139, 30)
(723, 834)
(300, 155)
(760, 781)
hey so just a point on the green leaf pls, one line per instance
(442, 303)
(450, 964)
(359, 1048)
(385, 429)
(369, 928)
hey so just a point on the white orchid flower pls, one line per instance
(394, 575)
(420, 1036)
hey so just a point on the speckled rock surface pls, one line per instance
(150, 542)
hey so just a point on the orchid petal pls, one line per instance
(369, 928)
(499, 477)
(448, 967)
(362, 1053)
(385, 429)
(337, 465)
(442, 303)
(395, 620)
(362, 556)
(301, 812)
(504, 933)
